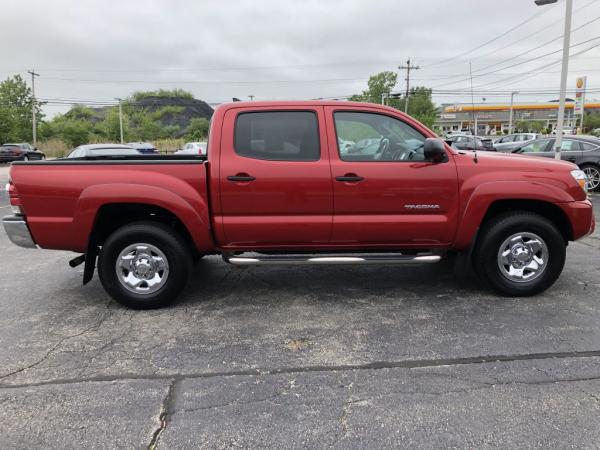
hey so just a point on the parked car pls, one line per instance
(581, 150)
(106, 150)
(20, 152)
(468, 142)
(144, 147)
(509, 142)
(566, 131)
(464, 131)
(274, 190)
(192, 148)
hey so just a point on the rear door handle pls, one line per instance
(243, 177)
(349, 178)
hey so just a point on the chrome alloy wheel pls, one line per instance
(523, 257)
(142, 268)
(593, 176)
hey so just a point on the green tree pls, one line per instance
(112, 128)
(379, 84)
(420, 106)
(537, 126)
(197, 129)
(15, 110)
(591, 121)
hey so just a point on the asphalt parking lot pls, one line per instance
(298, 357)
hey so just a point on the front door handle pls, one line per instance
(241, 177)
(349, 178)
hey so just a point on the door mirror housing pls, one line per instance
(434, 150)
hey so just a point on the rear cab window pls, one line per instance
(277, 135)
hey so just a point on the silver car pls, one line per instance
(510, 142)
(88, 150)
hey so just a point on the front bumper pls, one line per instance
(581, 216)
(18, 232)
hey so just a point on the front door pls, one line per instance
(385, 193)
(275, 180)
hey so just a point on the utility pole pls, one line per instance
(408, 68)
(120, 118)
(510, 114)
(251, 97)
(33, 104)
(560, 120)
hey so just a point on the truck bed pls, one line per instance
(62, 198)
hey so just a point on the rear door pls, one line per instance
(385, 193)
(275, 180)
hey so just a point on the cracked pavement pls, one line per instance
(298, 357)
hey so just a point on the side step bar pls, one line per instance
(312, 259)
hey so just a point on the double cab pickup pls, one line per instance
(303, 183)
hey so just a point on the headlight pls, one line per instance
(581, 179)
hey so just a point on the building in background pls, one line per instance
(494, 119)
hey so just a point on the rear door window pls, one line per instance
(278, 136)
(536, 146)
(569, 145)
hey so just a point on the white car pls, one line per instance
(192, 148)
(566, 130)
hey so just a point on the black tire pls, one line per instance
(494, 234)
(167, 241)
(25, 158)
(592, 171)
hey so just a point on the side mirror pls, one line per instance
(434, 150)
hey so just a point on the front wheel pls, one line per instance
(144, 265)
(520, 253)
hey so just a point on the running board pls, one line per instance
(307, 260)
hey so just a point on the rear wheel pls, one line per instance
(520, 253)
(593, 174)
(144, 265)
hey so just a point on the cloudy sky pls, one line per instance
(96, 50)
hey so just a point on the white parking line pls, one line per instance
(7, 206)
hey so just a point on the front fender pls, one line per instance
(483, 195)
(189, 207)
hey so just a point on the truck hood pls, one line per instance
(537, 171)
(511, 161)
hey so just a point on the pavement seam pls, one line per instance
(377, 365)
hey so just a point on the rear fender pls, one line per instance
(192, 210)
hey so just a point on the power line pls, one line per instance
(460, 55)
(538, 31)
(521, 63)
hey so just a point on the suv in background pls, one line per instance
(192, 148)
(20, 152)
(509, 142)
(468, 142)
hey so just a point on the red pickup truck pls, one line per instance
(303, 183)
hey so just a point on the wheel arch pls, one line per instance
(545, 209)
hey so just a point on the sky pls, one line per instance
(93, 51)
